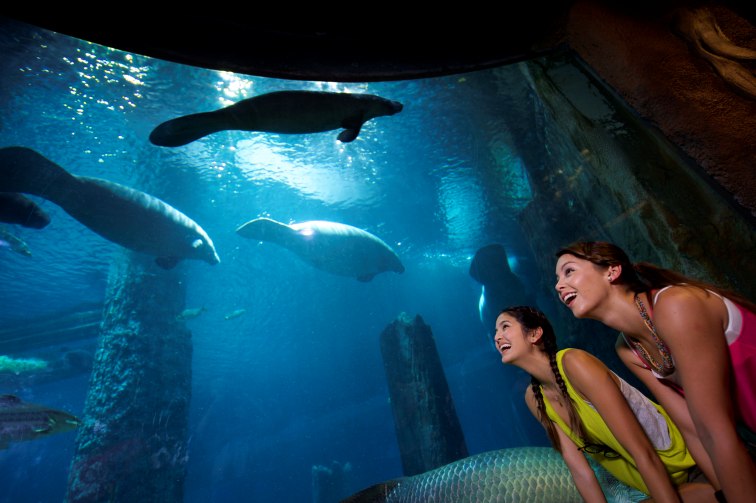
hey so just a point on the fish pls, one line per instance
(234, 314)
(21, 421)
(17, 209)
(14, 243)
(123, 215)
(333, 247)
(513, 475)
(191, 313)
(287, 112)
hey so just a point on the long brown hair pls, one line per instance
(642, 276)
(530, 319)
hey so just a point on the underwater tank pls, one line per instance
(245, 378)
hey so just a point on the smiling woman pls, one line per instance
(665, 319)
(586, 408)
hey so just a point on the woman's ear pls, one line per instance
(535, 335)
(613, 272)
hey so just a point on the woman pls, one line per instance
(692, 344)
(586, 408)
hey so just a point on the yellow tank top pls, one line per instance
(676, 457)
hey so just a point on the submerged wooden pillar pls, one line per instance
(427, 426)
(132, 445)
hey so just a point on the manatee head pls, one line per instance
(203, 249)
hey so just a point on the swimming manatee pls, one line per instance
(500, 287)
(123, 215)
(18, 209)
(288, 112)
(330, 246)
(514, 475)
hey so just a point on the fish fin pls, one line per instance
(167, 262)
(349, 134)
(373, 494)
(365, 277)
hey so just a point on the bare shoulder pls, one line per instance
(582, 369)
(575, 361)
(683, 306)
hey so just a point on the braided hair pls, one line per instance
(530, 319)
(642, 276)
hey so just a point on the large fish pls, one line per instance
(20, 421)
(515, 475)
(123, 215)
(330, 246)
(288, 112)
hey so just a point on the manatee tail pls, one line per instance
(263, 229)
(186, 129)
(24, 170)
(373, 494)
(490, 264)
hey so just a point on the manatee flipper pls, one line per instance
(186, 129)
(167, 262)
(18, 209)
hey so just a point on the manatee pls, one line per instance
(126, 216)
(18, 209)
(330, 246)
(190, 313)
(501, 288)
(288, 112)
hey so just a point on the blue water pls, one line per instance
(297, 380)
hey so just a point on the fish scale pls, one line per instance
(514, 475)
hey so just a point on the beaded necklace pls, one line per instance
(667, 366)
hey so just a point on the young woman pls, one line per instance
(586, 408)
(692, 344)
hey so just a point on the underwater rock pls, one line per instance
(18, 209)
(330, 246)
(426, 422)
(21, 421)
(287, 112)
(514, 475)
(126, 216)
(133, 443)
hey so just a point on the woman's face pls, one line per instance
(509, 337)
(581, 284)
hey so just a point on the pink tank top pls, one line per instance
(741, 340)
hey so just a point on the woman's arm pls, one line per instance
(582, 474)
(675, 406)
(691, 322)
(593, 380)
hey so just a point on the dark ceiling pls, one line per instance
(382, 46)
(365, 42)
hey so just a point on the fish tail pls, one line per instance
(373, 494)
(262, 229)
(186, 129)
(25, 170)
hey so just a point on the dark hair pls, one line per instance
(530, 319)
(642, 276)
